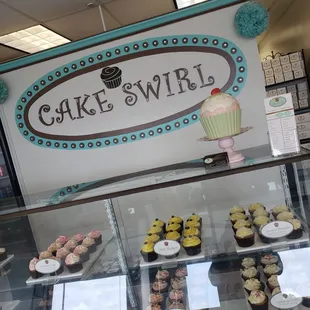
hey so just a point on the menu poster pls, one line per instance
(282, 125)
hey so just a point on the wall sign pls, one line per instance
(277, 229)
(47, 266)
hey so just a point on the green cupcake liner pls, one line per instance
(222, 125)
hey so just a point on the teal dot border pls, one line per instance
(148, 44)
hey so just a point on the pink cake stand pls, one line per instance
(227, 143)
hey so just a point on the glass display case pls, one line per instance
(185, 236)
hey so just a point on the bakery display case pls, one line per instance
(184, 236)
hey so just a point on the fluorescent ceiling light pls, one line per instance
(33, 39)
(184, 3)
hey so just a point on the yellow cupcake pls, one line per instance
(175, 219)
(159, 223)
(148, 247)
(191, 231)
(152, 238)
(155, 230)
(173, 226)
(261, 220)
(191, 241)
(195, 217)
(255, 206)
(238, 216)
(173, 235)
(192, 223)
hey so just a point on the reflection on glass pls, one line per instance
(107, 294)
(201, 293)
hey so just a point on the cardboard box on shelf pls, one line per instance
(295, 56)
(277, 70)
(299, 74)
(281, 90)
(296, 65)
(303, 126)
(302, 118)
(287, 68)
(269, 72)
(304, 103)
(266, 64)
(270, 80)
(304, 134)
(272, 93)
(302, 86)
(275, 62)
(288, 76)
(303, 94)
(279, 78)
(285, 60)
(291, 88)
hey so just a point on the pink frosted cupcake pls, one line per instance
(82, 251)
(32, 269)
(78, 238)
(54, 247)
(62, 254)
(45, 254)
(70, 245)
(73, 263)
(96, 235)
(220, 115)
(90, 244)
(176, 295)
(62, 240)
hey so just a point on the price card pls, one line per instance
(286, 300)
(282, 125)
(167, 247)
(277, 229)
(47, 266)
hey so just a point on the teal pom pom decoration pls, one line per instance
(251, 19)
(4, 93)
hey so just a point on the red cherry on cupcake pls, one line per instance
(215, 91)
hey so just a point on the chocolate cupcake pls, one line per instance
(156, 230)
(156, 299)
(152, 238)
(178, 283)
(269, 259)
(160, 286)
(32, 270)
(45, 254)
(260, 212)
(70, 245)
(176, 296)
(3, 254)
(181, 272)
(162, 275)
(82, 251)
(96, 235)
(297, 229)
(250, 273)
(272, 282)
(191, 231)
(248, 262)
(54, 247)
(174, 227)
(237, 216)
(176, 305)
(193, 223)
(261, 221)
(241, 223)
(73, 263)
(90, 244)
(159, 223)
(176, 219)
(173, 235)
(192, 245)
(195, 217)
(258, 300)
(272, 270)
(276, 291)
(148, 253)
(253, 285)
(245, 237)
(255, 206)
(78, 238)
(62, 240)
(236, 209)
(111, 77)
(154, 307)
(59, 270)
(278, 209)
(284, 216)
(62, 254)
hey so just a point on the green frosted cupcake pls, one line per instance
(220, 115)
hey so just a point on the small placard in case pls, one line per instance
(214, 160)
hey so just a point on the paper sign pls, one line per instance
(282, 125)
(285, 300)
(47, 266)
(277, 229)
(167, 247)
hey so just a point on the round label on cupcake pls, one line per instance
(47, 265)
(277, 229)
(167, 247)
(285, 300)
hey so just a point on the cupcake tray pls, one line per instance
(6, 261)
(9, 305)
(263, 279)
(66, 275)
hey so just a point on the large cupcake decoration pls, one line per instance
(220, 115)
(111, 77)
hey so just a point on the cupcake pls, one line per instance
(220, 115)
(242, 223)
(73, 263)
(276, 291)
(160, 224)
(261, 220)
(245, 237)
(258, 300)
(181, 272)
(306, 301)
(32, 269)
(162, 275)
(237, 216)
(176, 296)
(176, 219)
(279, 209)
(160, 286)
(78, 238)
(148, 252)
(3, 254)
(255, 206)
(248, 262)
(174, 227)
(250, 273)
(284, 216)
(70, 245)
(54, 247)
(260, 212)
(272, 282)
(253, 285)
(178, 283)
(192, 245)
(96, 235)
(62, 240)
(90, 244)
(156, 298)
(269, 259)
(61, 254)
(82, 251)
(154, 307)
(152, 238)
(176, 305)
(191, 231)
(195, 217)
(59, 270)
(193, 223)
(173, 235)
(156, 230)
(45, 254)
(236, 209)
(111, 77)
(273, 269)
(297, 229)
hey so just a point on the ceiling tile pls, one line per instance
(44, 10)
(8, 16)
(83, 24)
(131, 11)
(7, 53)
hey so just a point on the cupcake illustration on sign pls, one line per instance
(111, 77)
